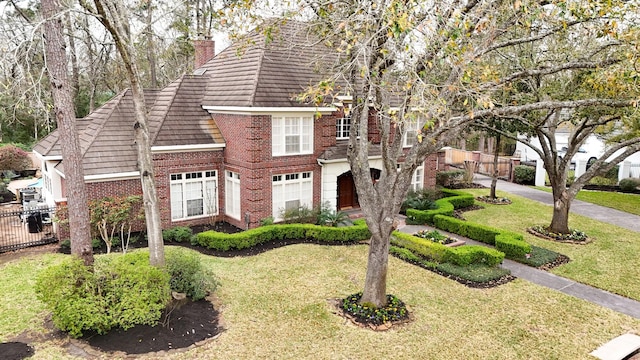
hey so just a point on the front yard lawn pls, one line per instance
(616, 200)
(276, 305)
(609, 262)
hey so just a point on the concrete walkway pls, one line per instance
(543, 278)
(596, 212)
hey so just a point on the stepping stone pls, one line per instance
(618, 348)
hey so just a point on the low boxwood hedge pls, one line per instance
(246, 239)
(453, 199)
(461, 255)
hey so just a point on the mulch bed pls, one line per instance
(15, 350)
(495, 201)
(566, 241)
(181, 327)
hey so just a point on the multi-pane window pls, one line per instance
(292, 135)
(343, 127)
(417, 180)
(291, 191)
(232, 194)
(194, 194)
(411, 128)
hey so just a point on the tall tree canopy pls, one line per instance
(428, 69)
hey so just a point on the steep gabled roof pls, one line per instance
(107, 138)
(262, 72)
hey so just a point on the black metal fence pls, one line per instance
(21, 228)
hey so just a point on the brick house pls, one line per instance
(229, 142)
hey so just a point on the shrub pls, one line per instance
(188, 275)
(302, 214)
(177, 234)
(471, 230)
(512, 245)
(474, 272)
(524, 174)
(448, 178)
(629, 184)
(122, 291)
(14, 158)
(267, 221)
(330, 217)
(425, 248)
(423, 199)
(404, 254)
(474, 254)
(246, 239)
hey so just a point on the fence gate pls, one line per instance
(21, 228)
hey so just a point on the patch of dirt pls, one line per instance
(15, 350)
(560, 260)
(179, 328)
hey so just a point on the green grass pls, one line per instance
(620, 201)
(609, 262)
(275, 306)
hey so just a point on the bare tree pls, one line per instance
(114, 15)
(56, 63)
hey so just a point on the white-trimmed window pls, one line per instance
(417, 180)
(411, 128)
(194, 194)
(292, 135)
(343, 127)
(232, 194)
(291, 191)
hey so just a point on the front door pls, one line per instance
(347, 195)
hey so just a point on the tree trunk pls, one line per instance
(494, 177)
(116, 22)
(560, 219)
(65, 116)
(375, 283)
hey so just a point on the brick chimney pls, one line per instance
(205, 51)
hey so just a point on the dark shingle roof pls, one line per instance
(106, 135)
(257, 72)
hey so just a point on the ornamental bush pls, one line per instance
(188, 275)
(629, 184)
(123, 290)
(524, 174)
(178, 234)
(246, 239)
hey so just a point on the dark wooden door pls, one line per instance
(347, 195)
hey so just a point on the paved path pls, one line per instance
(597, 212)
(543, 278)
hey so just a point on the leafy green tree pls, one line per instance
(429, 69)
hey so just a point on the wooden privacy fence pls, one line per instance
(450, 157)
(20, 228)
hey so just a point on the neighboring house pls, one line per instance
(229, 142)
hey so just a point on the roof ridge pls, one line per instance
(102, 120)
(256, 80)
(165, 109)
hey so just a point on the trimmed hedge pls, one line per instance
(482, 233)
(511, 244)
(246, 239)
(429, 249)
(461, 255)
(474, 254)
(454, 200)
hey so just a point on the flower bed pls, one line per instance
(437, 237)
